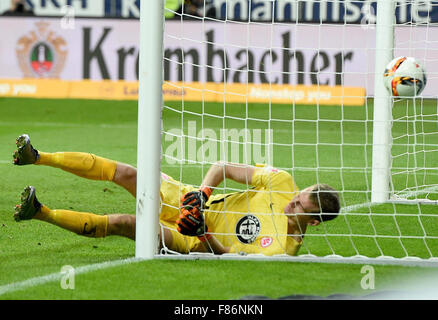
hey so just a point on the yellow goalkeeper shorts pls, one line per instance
(171, 192)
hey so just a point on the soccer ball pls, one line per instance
(405, 77)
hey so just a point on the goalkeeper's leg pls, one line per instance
(82, 223)
(85, 165)
(92, 225)
(92, 167)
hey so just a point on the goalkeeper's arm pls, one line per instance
(193, 224)
(220, 171)
(195, 201)
(213, 245)
(191, 219)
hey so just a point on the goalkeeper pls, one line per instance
(269, 218)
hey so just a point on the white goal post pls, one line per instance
(381, 171)
(149, 129)
(297, 85)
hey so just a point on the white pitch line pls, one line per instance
(356, 207)
(32, 282)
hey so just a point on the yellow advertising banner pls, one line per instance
(264, 93)
(193, 91)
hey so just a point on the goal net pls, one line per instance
(290, 84)
(414, 129)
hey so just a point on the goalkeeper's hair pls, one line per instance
(327, 199)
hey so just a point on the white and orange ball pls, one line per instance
(405, 77)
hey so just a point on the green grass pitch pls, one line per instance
(33, 249)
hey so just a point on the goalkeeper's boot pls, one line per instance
(29, 205)
(26, 153)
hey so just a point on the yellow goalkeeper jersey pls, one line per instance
(251, 221)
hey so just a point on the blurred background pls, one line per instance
(287, 42)
(354, 11)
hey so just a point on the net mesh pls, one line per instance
(414, 150)
(290, 84)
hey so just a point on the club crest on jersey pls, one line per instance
(247, 229)
(266, 242)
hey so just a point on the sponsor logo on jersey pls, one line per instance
(247, 229)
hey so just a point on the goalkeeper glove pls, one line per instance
(196, 200)
(190, 224)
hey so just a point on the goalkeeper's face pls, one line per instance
(302, 204)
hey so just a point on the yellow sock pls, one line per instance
(85, 165)
(82, 223)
